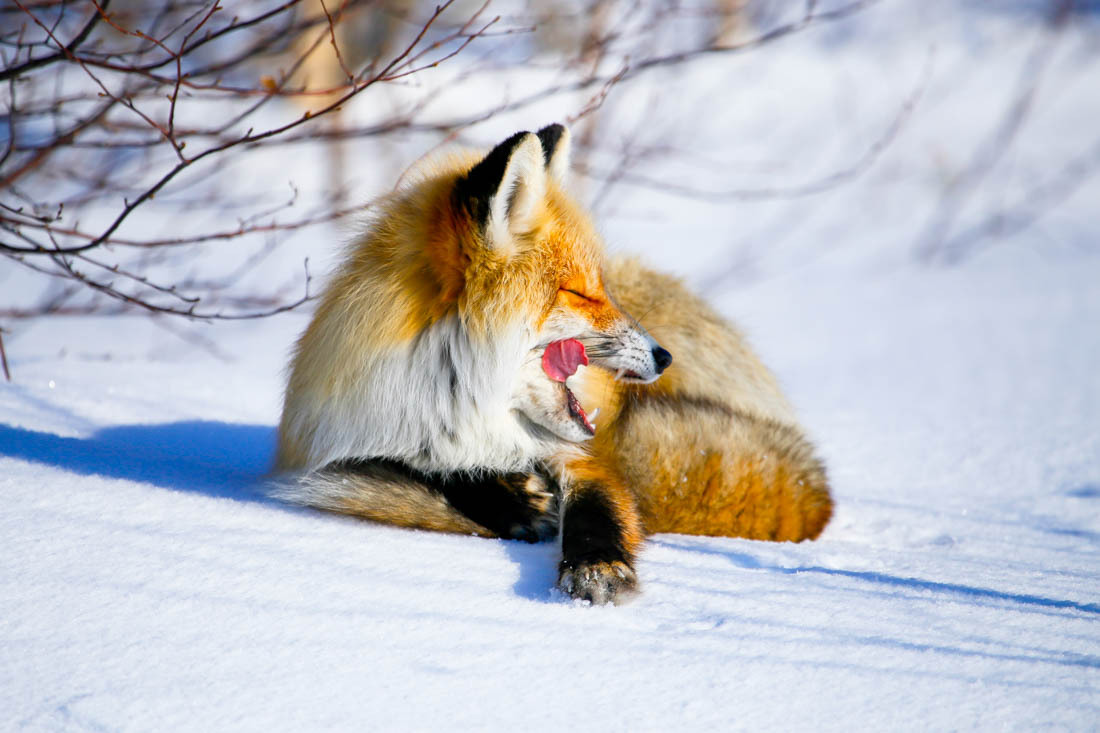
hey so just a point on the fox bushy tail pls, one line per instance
(513, 505)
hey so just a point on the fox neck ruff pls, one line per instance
(440, 402)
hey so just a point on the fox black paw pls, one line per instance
(519, 506)
(599, 582)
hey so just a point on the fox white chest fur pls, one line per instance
(440, 401)
(422, 346)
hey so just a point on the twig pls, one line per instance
(1031, 206)
(810, 188)
(4, 357)
(66, 51)
(932, 240)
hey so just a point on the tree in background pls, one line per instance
(126, 125)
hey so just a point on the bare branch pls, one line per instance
(66, 51)
(986, 157)
(4, 357)
(118, 122)
(809, 188)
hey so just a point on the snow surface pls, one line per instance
(147, 584)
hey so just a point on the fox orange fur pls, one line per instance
(418, 395)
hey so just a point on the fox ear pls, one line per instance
(555, 141)
(505, 190)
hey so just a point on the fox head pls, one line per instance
(517, 206)
(428, 345)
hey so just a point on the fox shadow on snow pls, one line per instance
(216, 459)
(212, 458)
(229, 460)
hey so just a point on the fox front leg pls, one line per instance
(600, 535)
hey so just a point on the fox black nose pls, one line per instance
(662, 357)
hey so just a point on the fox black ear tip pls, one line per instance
(555, 145)
(551, 134)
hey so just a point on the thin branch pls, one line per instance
(56, 184)
(201, 238)
(4, 357)
(332, 39)
(66, 51)
(809, 188)
(635, 71)
(1031, 206)
(932, 240)
(246, 139)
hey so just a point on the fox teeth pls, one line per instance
(619, 374)
(592, 415)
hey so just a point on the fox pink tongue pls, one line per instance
(561, 359)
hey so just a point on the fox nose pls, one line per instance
(662, 357)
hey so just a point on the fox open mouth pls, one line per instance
(560, 361)
(577, 412)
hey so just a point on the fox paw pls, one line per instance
(599, 582)
(537, 520)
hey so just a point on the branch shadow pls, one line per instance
(744, 560)
(1085, 491)
(217, 459)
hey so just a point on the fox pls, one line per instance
(478, 365)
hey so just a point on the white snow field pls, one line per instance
(147, 584)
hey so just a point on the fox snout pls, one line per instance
(633, 355)
(660, 358)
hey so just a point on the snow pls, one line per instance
(146, 583)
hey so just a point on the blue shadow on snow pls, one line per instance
(212, 458)
(745, 560)
(215, 459)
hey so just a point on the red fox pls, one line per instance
(474, 367)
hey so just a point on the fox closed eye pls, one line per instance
(578, 294)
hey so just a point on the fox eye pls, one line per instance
(578, 294)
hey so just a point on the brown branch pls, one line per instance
(248, 138)
(809, 188)
(635, 71)
(332, 38)
(199, 238)
(59, 140)
(123, 100)
(231, 28)
(174, 97)
(1031, 206)
(4, 357)
(12, 106)
(932, 241)
(66, 51)
(600, 97)
(99, 153)
(191, 311)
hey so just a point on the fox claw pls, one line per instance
(600, 582)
